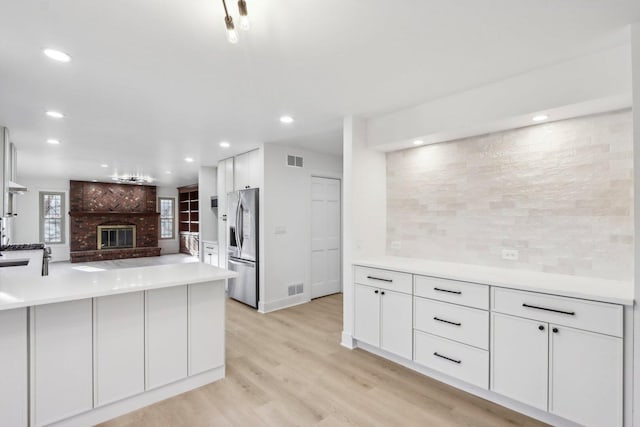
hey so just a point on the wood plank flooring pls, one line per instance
(288, 369)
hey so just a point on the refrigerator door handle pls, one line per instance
(241, 261)
(241, 222)
(237, 226)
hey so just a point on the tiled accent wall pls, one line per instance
(560, 193)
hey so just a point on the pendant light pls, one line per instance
(232, 34)
(244, 23)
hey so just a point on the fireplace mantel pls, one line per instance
(112, 213)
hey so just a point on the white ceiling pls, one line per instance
(154, 81)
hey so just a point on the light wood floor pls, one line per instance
(287, 368)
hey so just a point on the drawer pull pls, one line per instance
(447, 321)
(448, 291)
(447, 358)
(570, 313)
(377, 278)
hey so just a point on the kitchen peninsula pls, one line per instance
(85, 347)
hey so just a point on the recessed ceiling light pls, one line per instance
(104, 165)
(167, 172)
(53, 141)
(188, 159)
(418, 142)
(540, 118)
(57, 55)
(94, 180)
(55, 114)
(286, 119)
(225, 144)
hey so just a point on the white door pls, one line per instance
(519, 359)
(366, 326)
(206, 336)
(61, 360)
(325, 237)
(241, 172)
(396, 323)
(585, 377)
(166, 336)
(118, 367)
(13, 368)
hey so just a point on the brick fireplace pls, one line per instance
(98, 213)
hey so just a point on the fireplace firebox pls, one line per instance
(116, 236)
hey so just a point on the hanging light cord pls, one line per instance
(224, 3)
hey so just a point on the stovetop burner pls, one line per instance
(24, 247)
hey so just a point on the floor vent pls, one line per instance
(295, 161)
(296, 289)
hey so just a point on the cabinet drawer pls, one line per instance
(582, 314)
(386, 279)
(455, 322)
(464, 293)
(461, 361)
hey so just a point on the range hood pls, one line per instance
(15, 188)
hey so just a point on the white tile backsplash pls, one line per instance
(560, 193)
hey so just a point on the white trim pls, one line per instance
(269, 306)
(348, 341)
(469, 388)
(112, 410)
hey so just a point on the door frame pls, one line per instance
(338, 177)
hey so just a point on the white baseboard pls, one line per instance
(489, 395)
(269, 306)
(113, 410)
(348, 341)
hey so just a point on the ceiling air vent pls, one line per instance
(294, 161)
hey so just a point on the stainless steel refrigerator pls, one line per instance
(242, 244)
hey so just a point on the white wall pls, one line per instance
(169, 246)
(26, 226)
(586, 85)
(364, 209)
(207, 187)
(286, 202)
(635, 46)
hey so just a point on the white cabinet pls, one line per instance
(166, 332)
(569, 372)
(383, 318)
(247, 167)
(367, 314)
(206, 338)
(61, 360)
(519, 359)
(229, 185)
(13, 368)
(585, 376)
(395, 323)
(118, 349)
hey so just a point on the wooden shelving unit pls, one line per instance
(189, 219)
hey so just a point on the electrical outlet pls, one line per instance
(510, 254)
(396, 244)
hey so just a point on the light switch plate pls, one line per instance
(281, 229)
(396, 244)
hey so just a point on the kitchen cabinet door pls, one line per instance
(367, 315)
(585, 377)
(118, 347)
(166, 336)
(255, 168)
(229, 176)
(396, 320)
(206, 327)
(519, 359)
(13, 368)
(61, 360)
(241, 171)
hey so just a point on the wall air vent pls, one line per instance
(295, 161)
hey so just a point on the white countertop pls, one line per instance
(24, 287)
(558, 284)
